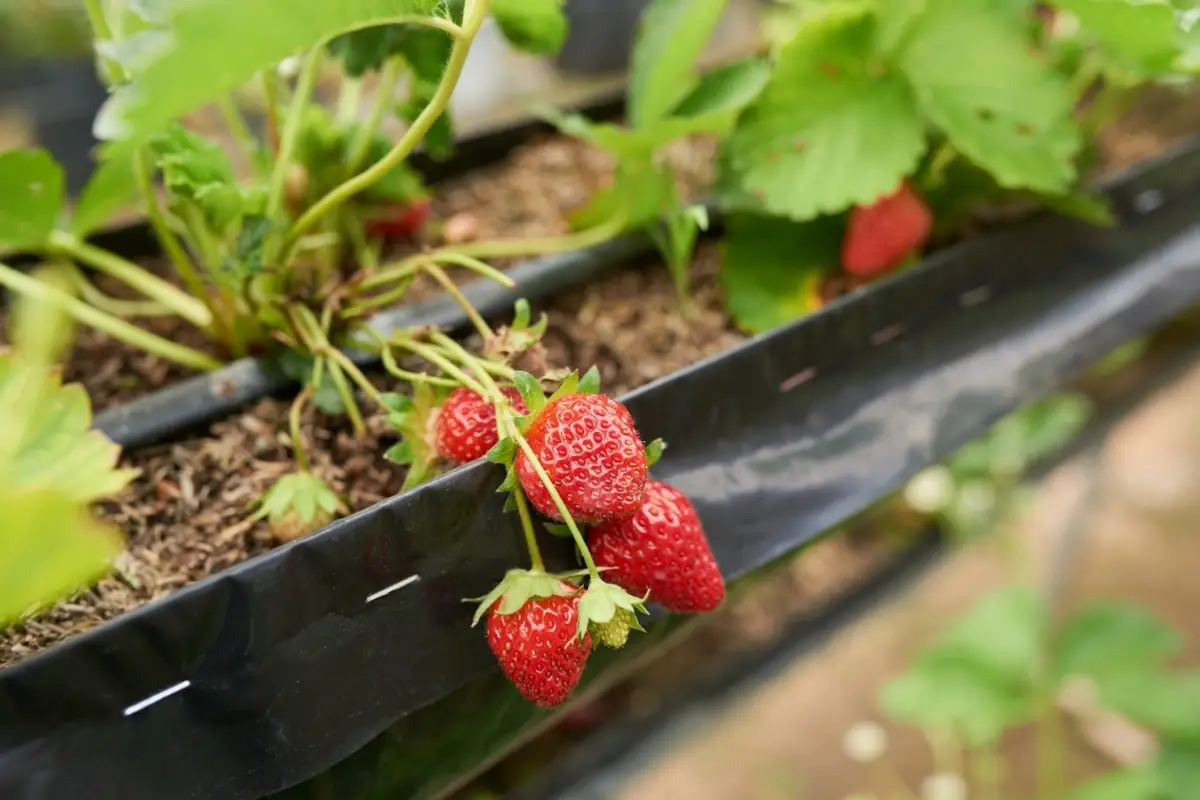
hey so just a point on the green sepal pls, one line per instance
(569, 385)
(510, 481)
(601, 601)
(400, 453)
(557, 529)
(521, 314)
(654, 451)
(502, 452)
(531, 391)
(517, 588)
(590, 382)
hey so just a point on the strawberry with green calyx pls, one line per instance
(615, 633)
(585, 446)
(298, 504)
(532, 624)
(465, 428)
(415, 418)
(883, 235)
(661, 550)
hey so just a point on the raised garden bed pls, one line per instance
(225, 668)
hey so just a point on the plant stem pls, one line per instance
(132, 275)
(298, 449)
(114, 327)
(349, 96)
(441, 277)
(291, 129)
(111, 305)
(386, 90)
(103, 33)
(384, 299)
(580, 543)
(434, 357)
(271, 101)
(170, 242)
(473, 18)
(356, 374)
(535, 552)
(504, 248)
(475, 265)
(236, 123)
(347, 394)
(389, 363)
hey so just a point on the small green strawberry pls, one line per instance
(298, 504)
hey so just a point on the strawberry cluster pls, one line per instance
(578, 458)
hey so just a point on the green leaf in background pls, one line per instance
(1114, 637)
(672, 34)
(198, 171)
(722, 93)
(1130, 783)
(1142, 33)
(642, 188)
(111, 188)
(897, 19)
(532, 26)
(219, 45)
(970, 64)
(1178, 767)
(799, 149)
(771, 268)
(1167, 703)
(1000, 635)
(49, 547)
(32, 198)
(1093, 209)
(439, 141)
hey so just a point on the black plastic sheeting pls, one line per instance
(272, 672)
(601, 765)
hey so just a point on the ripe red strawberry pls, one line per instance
(882, 235)
(661, 549)
(401, 222)
(591, 451)
(466, 424)
(538, 648)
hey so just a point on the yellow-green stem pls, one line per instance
(271, 101)
(464, 36)
(134, 276)
(298, 449)
(385, 91)
(292, 126)
(476, 266)
(356, 374)
(389, 363)
(535, 552)
(478, 321)
(347, 394)
(106, 323)
(386, 298)
(111, 305)
(434, 357)
(466, 358)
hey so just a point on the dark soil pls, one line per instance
(185, 516)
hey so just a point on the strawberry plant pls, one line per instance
(873, 128)
(1006, 662)
(52, 468)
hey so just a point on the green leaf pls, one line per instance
(1114, 637)
(1168, 703)
(969, 62)
(897, 19)
(400, 453)
(49, 547)
(246, 260)
(531, 391)
(532, 26)
(110, 189)
(439, 141)
(1130, 783)
(198, 171)
(590, 382)
(722, 93)
(643, 189)
(1000, 634)
(1141, 32)
(31, 199)
(801, 148)
(937, 693)
(400, 185)
(1091, 208)
(771, 268)
(219, 45)
(425, 49)
(672, 34)
(1178, 767)
(396, 403)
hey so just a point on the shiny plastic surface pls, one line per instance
(273, 671)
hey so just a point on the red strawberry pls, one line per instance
(591, 451)
(466, 424)
(538, 647)
(882, 235)
(661, 549)
(401, 222)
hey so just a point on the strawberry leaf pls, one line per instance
(32, 198)
(219, 45)
(531, 391)
(772, 268)
(1141, 782)
(396, 403)
(799, 149)
(1142, 33)
(971, 68)
(197, 171)
(110, 189)
(641, 188)
(672, 35)
(532, 26)
(400, 453)
(722, 93)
